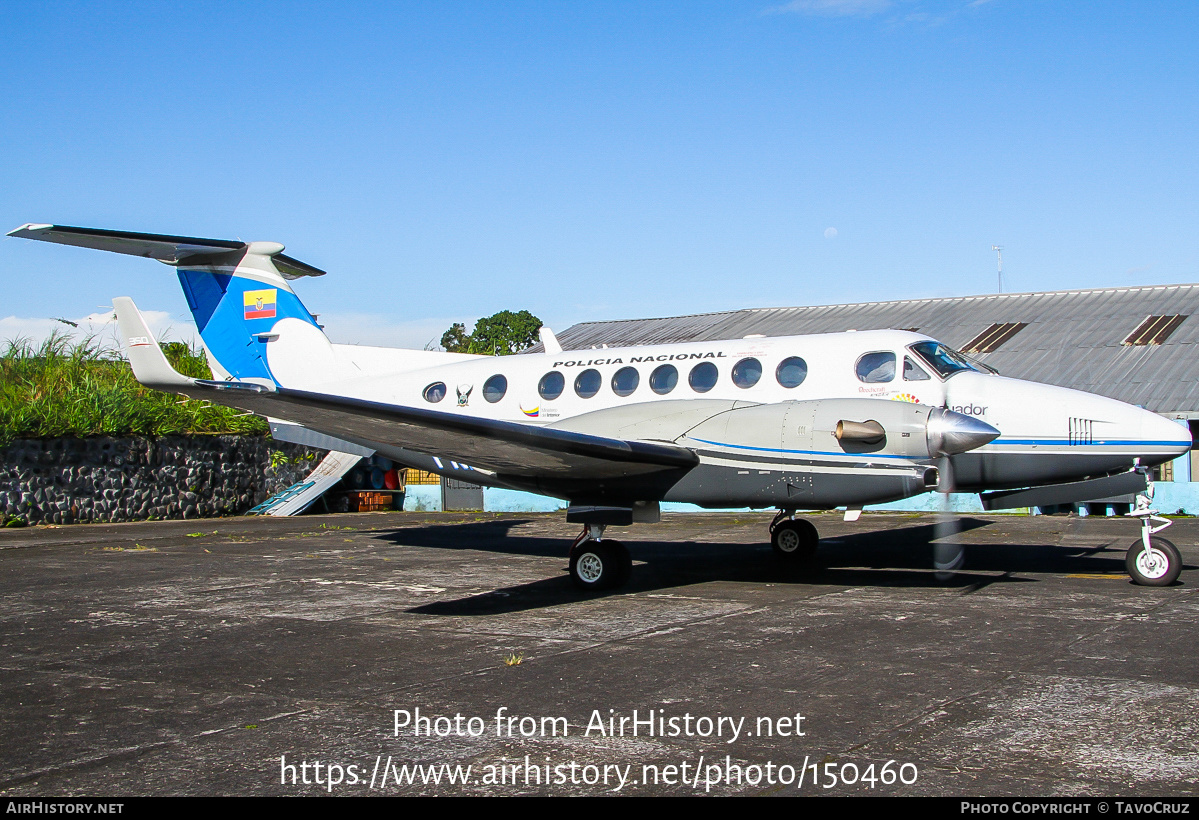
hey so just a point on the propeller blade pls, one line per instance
(948, 554)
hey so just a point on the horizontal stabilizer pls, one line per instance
(165, 248)
(150, 365)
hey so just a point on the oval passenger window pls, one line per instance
(587, 383)
(747, 372)
(791, 372)
(551, 385)
(625, 381)
(876, 368)
(435, 392)
(703, 377)
(663, 379)
(495, 388)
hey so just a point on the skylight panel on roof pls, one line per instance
(1154, 330)
(993, 337)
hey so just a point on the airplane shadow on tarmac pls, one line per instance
(895, 557)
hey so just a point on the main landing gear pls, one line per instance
(597, 562)
(795, 540)
(1152, 561)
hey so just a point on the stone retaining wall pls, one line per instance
(71, 480)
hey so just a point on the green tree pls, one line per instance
(456, 339)
(499, 334)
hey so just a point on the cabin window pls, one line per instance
(703, 377)
(495, 388)
(435, 392)
(551, 385)
(791, 372)
(876, 368)
(663, 379)
(913, 372)
(587, 383)
(747, 372)
(625, 381)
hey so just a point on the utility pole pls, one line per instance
(998, 250)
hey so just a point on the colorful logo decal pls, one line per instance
(260, 304)
(908, 397)
(464, 394)
(531, 413)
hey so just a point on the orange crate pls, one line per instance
(368, 501)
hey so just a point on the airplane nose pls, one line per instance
(1164, 435)
(950, 432)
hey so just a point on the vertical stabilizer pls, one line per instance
(252, 323)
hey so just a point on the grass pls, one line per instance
(65, 388)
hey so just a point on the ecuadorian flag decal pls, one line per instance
(260, 304)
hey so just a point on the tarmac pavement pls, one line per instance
(207, 657)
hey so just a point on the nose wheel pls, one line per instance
(1157, 565)
(1152, 561)
(599, 563)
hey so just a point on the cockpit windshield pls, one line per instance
(942, 359)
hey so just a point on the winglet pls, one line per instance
(150, 365)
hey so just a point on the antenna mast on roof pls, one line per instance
(998, 250)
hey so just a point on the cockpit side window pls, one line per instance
(913, 372)
(876, 368)
(942, 359)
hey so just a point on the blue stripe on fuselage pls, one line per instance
(859, 456)
(1109, 442)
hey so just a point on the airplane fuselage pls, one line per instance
(745, 407)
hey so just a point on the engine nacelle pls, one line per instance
(851, 426)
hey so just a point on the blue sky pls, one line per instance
(444, 161)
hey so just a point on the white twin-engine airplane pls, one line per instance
(796, 423)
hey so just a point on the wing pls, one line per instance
(503, 447)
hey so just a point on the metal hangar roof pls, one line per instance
(1139, 344)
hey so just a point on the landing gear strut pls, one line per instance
(1152, 561)
(597, 562)
(794, 539)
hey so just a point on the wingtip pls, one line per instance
(29, 227)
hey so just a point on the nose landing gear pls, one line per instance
(1152, 561)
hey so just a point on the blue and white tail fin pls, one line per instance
(252, 323)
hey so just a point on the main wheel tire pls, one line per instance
(795, 540)
(600, 564)
(1158, 568)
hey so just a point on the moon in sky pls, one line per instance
(830, 233)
